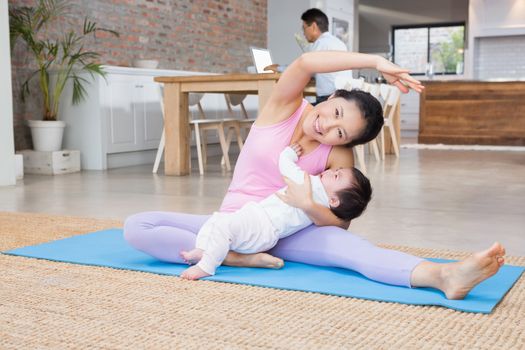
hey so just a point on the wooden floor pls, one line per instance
(460, 200)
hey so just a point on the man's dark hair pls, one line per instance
(317, 16)
(353, 200)
(371, 110)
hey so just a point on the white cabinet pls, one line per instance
(120, 123)
(409, 113)
(133, 114)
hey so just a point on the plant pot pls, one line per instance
(47, 135)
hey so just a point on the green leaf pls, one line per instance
(65, 54)
(79, 92)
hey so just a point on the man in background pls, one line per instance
(315, 29)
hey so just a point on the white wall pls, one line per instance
(488, 19)
(496, 18)
(499, 57)
(7, 148)
(284, 20)
(345, 10)
(376, 18)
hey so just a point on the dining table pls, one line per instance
(176, 111)
(176, 119)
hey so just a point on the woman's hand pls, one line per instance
(298, 195)
(398, 76)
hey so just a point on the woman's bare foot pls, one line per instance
(459, 278)
(192, 257)
(264, 260)
(194, 273)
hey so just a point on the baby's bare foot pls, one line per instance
(193, 273)
(265, 260)
(459, 278)
(192, 257)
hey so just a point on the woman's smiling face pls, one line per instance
(336, 121)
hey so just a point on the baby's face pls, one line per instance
(336, 180)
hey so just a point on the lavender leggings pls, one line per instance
(164, 234)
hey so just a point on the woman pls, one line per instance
(325, 133)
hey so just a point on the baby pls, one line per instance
(257, 227)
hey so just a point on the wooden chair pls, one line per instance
(350, 84)
(374, 90)
(245, 122)
(202, 125)
(391, 95)
(342, 82)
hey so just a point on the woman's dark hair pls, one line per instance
(353, 200)
(317, 16)
(372, 112)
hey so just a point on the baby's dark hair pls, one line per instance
(353, 200)
(372, 112)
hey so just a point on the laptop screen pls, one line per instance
(261, 59)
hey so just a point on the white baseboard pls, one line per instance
(125, 159)
(19, 166)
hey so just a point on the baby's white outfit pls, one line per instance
(257, 227)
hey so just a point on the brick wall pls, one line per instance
(194, 35)
(500, 57)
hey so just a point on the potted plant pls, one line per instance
(65, 57)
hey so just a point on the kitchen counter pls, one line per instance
(473, 112)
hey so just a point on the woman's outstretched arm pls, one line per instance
(294, 79)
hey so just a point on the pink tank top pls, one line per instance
(256, 174)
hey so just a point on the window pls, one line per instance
(433, 49)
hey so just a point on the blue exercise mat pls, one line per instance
(108, 248)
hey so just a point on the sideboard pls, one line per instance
(473, 112)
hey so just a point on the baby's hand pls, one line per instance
(297, 149)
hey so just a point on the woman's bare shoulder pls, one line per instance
(340, 157)
(273, 112)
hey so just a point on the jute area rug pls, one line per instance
(49, 305)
